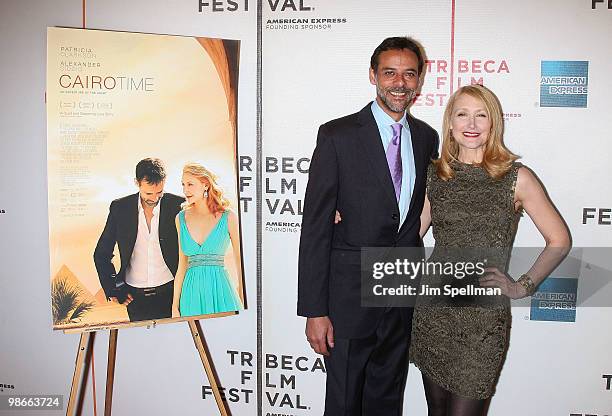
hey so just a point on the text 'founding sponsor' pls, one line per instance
(304, 24)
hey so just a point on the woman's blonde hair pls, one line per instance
(216, 201)
(497, 159)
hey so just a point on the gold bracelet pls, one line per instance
(527, 283)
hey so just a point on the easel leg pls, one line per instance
(110, 371)
(200, 343)
(82, 354)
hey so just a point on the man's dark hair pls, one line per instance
(398, 43)
(151, 170)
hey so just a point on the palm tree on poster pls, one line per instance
(65, 302)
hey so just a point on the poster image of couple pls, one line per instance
(142, 178)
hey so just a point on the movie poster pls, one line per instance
(114, 99)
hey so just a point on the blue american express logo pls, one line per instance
(564, 83)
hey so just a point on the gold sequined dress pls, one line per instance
(463, 348)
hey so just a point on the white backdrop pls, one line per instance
(158, 369)
(314, 68)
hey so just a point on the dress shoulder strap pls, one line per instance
(512, 178)
(182, 220)
(224, 216)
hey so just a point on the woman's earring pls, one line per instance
(205, 193)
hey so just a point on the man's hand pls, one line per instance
(126, 302)
(320, 334)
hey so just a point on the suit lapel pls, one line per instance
(419, 164)
(369, 137)
(164, 218)
(419, 156)
(132, 222)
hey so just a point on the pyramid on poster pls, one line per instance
(73, 281)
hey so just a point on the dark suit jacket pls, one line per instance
(121, 228)
(349, 172)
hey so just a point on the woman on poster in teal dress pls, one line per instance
(205, 229)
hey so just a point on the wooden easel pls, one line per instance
(75, 401)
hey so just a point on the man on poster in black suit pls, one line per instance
(371, 167)
(142, 225)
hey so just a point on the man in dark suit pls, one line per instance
(371, 167)
(142, 226)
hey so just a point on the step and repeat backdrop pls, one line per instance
(299, 63)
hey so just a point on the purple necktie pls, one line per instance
(394, 158)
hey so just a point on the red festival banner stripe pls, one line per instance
(452, 48)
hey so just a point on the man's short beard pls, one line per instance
(149, 204)
(410, 93)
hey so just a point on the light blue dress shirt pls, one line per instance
(384, 122)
